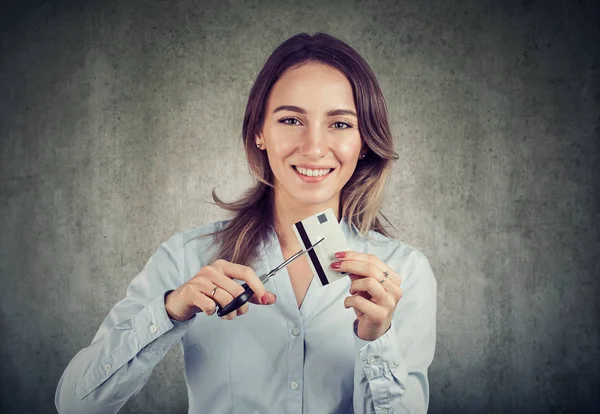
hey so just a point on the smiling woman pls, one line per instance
(316, 104)
(316, 137)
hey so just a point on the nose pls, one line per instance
(314, 143)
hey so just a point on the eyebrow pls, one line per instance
(333, 112)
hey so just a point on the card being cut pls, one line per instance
(311, 230)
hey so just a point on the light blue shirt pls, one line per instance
(274, 359)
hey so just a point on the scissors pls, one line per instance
(248, 292)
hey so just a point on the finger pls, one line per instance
(244, 273)
(392, 288)
(354, 277)
(200, 300)
(375, 289)
(203, 284)
(367, 258)
(206, 286)
(364, 295)
(360, 257)
(243, 309)
(364, 269)
(216, 274)
(223, 298)
(372, 311)
(360, 269)
(270, 298)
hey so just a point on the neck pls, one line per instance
(286, 213)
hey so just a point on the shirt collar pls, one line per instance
(349, 231)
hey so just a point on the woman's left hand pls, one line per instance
(374, 296)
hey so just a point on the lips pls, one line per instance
(295, 167)
(313, 167)
(312, 179)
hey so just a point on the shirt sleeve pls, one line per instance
(133, 338)
(390, 373)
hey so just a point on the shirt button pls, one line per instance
(373, 359)
(294, 385)
(296, 331)
(153, 328)
(107, 367)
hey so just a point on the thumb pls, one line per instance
(268, 298)
(271, 298)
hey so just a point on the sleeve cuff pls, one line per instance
(177, 323)
(151, 330)
(153, 325)
(377, 358)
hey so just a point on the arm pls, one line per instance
(390, 373)
(134, 337)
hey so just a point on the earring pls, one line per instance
(259, 146)
(362, 156)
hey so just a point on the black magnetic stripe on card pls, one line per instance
(311, 253)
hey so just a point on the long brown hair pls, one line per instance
(361, 197)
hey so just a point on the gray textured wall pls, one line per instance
(117, 119)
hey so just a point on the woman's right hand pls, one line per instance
(195, 294)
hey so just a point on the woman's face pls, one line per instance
(311, 128)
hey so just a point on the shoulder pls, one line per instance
(407, 260)
(201, 231)
(195, 242)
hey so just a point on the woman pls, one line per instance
(362, 344)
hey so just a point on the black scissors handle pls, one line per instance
(237, 302)
(240, 300)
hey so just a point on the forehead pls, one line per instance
(313, 86)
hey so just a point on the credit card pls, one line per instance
(314, 228)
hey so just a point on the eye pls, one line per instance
(341, 125)
(289, 121)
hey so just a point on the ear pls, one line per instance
(258, 138)
(363, 150)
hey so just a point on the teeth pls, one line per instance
(312, 173)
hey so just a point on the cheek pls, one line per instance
(279, 144)
(280, 151)
(347, 152)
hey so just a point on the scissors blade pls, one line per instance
(267, 276)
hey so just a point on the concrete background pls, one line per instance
(118, 118)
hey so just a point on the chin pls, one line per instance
(313, 199)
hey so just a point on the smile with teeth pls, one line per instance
(312, 173)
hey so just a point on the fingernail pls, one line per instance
(340, 255)
(336, 265)
(264, 300)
